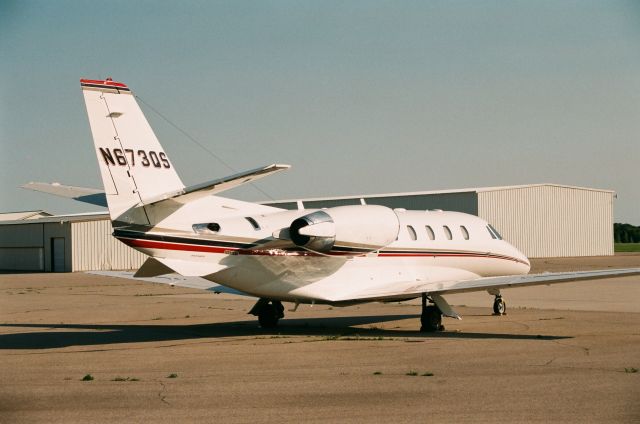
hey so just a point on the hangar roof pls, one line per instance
(22, 215)
(79, 217)
(42, 217)
(420, 193)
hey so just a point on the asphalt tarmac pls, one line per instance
(565, 353)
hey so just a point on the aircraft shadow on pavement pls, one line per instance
(330, 327)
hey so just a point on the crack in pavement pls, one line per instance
(161, 394)
(584, 349)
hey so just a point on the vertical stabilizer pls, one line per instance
(133, 165)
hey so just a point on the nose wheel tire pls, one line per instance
(499, 306)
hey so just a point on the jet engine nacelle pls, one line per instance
(356, 229)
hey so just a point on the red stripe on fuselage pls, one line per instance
(452, 255)
(152, 244)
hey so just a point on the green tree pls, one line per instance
(626, 233)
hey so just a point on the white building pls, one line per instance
(64, 243)
(542, 220)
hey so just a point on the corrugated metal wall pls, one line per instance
(551, 221)
(94, 248)
(542, 221)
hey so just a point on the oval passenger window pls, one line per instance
(447, 232)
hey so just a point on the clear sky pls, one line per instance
(359, 96)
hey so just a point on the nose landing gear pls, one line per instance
(499, 306)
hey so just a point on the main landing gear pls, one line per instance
(499, 306)
(431, 318)
(268, 312)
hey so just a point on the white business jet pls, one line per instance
(339, 256)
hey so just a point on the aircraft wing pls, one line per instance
(219, 185)
(174, 280)
(405, 290)
(81, 194)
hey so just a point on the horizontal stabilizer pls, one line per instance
(186, 195)
(82, 194)
(191, 268)
(152, 268)
(209, 188)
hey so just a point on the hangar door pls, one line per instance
(22, 247)
(21, 258)
(57, 254)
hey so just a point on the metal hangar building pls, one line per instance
(67, 243)
(542, 220)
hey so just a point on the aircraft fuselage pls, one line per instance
(431, 246)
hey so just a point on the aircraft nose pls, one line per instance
(526, 264)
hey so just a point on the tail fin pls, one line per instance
(132, 163)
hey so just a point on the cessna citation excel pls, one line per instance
(339, 256)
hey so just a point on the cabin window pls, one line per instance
(447, 232)
(494, 233)
(465, 233)
(253, 223)
(412, 233)
(430, 233)
(213, 226)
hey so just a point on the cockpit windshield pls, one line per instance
(494, 233)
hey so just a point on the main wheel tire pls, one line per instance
(431, 319)
(499, 307)
(279, 308)
(269, 316)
